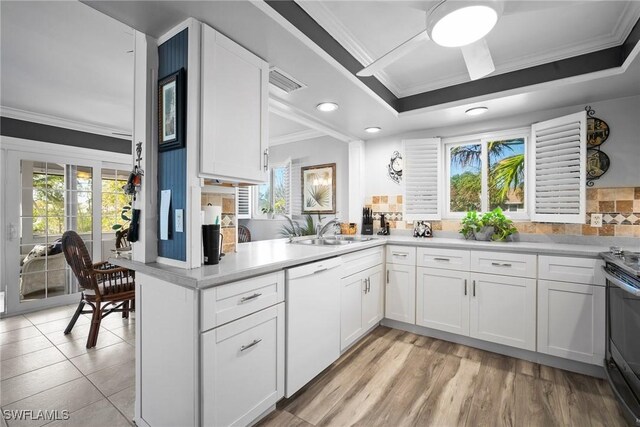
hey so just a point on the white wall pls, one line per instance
(311, 152)
(622, 146)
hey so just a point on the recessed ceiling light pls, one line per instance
(374, 129)
(327, 106)
(476, 111)
(455, 24)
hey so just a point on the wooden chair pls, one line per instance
(244, 235)
(105, 288)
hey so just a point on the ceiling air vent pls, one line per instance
(284, 82)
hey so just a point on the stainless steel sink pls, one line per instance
(332, 240)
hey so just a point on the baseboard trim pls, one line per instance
(531, 356)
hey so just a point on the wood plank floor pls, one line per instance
(395, 378)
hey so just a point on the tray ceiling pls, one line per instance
(529, 33)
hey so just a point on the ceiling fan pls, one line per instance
(453, 23)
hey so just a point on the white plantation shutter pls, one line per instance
(243, 202)
(422, 179)
(557, 167)
(287, 184)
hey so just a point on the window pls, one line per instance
(113, 199)
(274, 197)
(486, 173)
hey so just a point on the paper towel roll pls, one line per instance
(211, 213)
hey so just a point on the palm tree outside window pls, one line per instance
(486, 174)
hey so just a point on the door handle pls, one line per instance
(249, 298)
(248, 346)
(368, 284)
(442, 259)
(501, 264)
(266, 159)
(465, 286)
(474, 288)
(399, 254)
(387, 276)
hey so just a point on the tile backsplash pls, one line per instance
(620, 209)
(228, 222)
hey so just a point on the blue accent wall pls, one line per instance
(172, 165)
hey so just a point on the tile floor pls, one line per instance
(43, 369)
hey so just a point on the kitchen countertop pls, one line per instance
(256, 258)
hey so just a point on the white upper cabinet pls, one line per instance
(234, 111)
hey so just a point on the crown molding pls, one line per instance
(45, 119)
(334, 26)
(302, 135)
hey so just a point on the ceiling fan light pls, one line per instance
(455, 24)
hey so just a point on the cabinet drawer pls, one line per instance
(504, 263)
(449, 259)
(359, 261)
(572, 270)
(225, 303)
(404, 255)
(243, 368)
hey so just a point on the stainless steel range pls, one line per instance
(622, 364)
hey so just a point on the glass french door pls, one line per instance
(46, 197)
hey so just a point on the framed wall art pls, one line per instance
(319, 189)
(171, 95)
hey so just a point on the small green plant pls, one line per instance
(502, 226)
(267, 210)
(293, 228)
(124, 215)
(474, 223)
(470, 225)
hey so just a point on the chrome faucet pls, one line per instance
(321, 229)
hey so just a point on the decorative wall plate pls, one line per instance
(597, 131)
(597, 163)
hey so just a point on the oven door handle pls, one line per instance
(619, 283)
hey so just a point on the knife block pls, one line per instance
(367, 229)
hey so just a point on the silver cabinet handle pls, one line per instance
(442, 259)
(248, 346)
(474, 288)
(399, 254)
(387, 276)
(501, 264)
(249, 298)
(266, 159)
(465, 286)
(368, 284)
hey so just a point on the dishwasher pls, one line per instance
(313, 321)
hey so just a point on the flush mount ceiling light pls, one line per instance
(327, 106)
(460, 23)
(476, 111)
(373, 129)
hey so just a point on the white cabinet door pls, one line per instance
(351, 311)
(571, 321)
(243, 368)
(235, 90)
(442, 300)
(400, 295)
(373, 300)
(503, 310)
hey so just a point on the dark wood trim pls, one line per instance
(56, 135)
(300, 19)
(582, 64)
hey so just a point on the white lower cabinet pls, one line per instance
(442, 300)
(400, 294)
(503, 310)
(243, 368)
(571, 321)
(361, 304)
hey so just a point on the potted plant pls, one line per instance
(268, 211)
(470, 225)
(498, 225)
(122, 230)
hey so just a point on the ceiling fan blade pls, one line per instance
(478, 59)
(393, 55)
